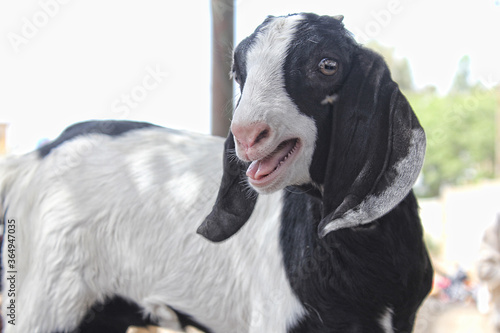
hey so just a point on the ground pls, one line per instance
(439, 317)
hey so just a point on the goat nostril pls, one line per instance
(262, 135)
(249, 135)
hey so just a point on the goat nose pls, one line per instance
(248, 136)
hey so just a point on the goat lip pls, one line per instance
(265, 169)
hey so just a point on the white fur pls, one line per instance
(101, 216)
(265, 100)
(386, 320)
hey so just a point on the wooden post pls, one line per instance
(3, 141)
(222, 85)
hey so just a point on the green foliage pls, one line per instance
(460, 132)
(461, 81)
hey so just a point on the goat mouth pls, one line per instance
(265, 170)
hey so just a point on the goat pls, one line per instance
(320, 117)
(111, 209)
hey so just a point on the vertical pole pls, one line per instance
(222, 85)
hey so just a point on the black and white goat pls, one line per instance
(111, 209)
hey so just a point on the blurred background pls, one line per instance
(64, 61)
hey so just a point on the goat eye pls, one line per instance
(328, 66)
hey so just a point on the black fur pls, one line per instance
(347, 280)
(238, 70)
(116, 315)
(109, 127)
(234, 201)
(113, 316)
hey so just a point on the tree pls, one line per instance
(460, 131)
(461, 82)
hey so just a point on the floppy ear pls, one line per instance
(235, 201)
(377, 147)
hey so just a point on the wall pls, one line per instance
(458, 219)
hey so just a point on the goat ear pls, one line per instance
(377, 147)
(235, 201)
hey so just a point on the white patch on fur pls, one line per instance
(330, 99)
(264, 100)
(121, 218)
(373, 207)
(386, 320)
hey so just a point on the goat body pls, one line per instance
(103, 216)
(335, 244)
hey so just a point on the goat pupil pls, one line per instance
(328, 66)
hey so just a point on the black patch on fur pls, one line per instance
(113, 316)
(239, 68)
(234, 203)
(107, 127)
(317, 38)
(117, 314)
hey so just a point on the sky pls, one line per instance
(64, 61)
